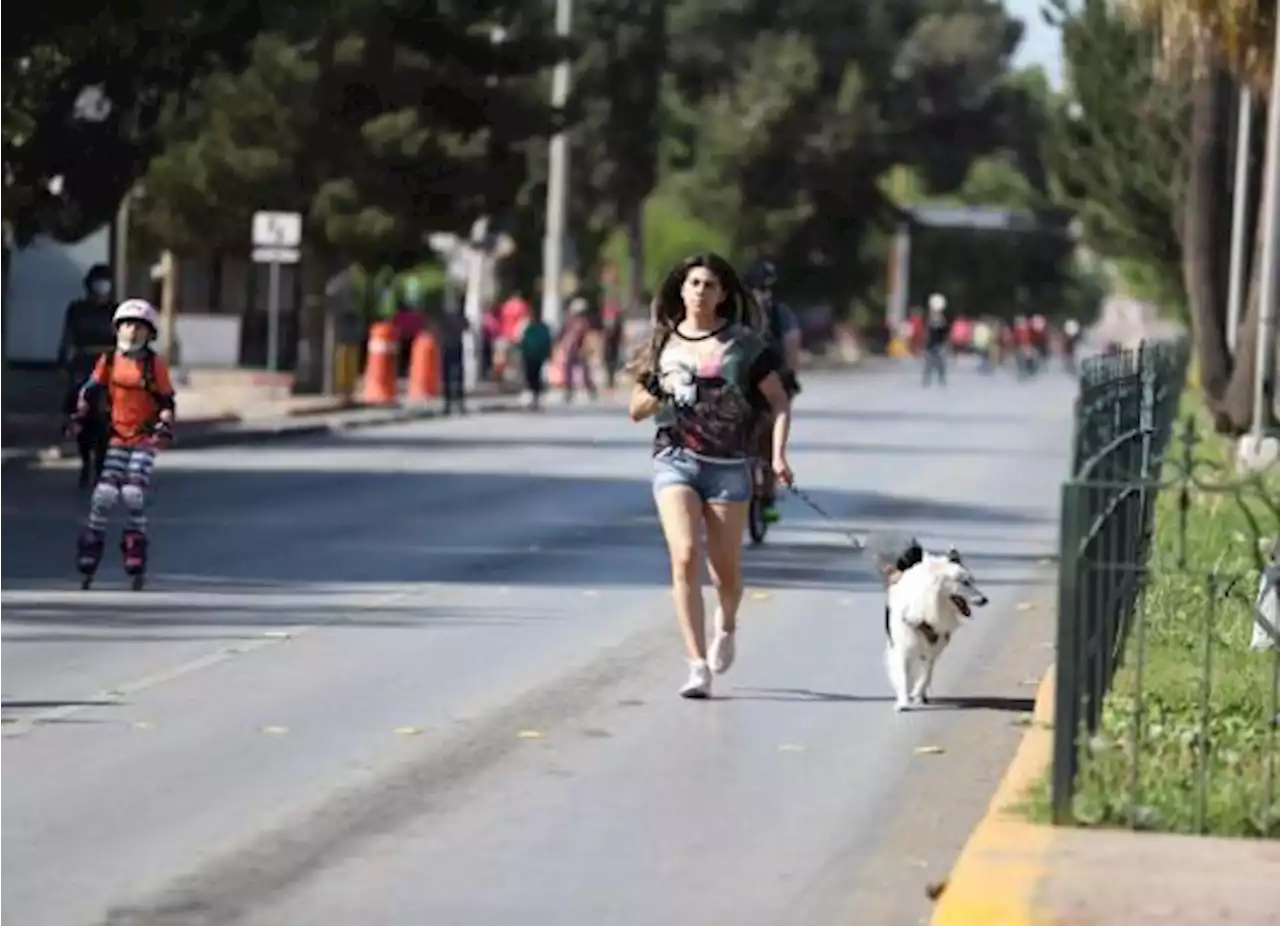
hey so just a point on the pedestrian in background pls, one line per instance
(937, 339)
(451, 329)
(535, 351)
(611, 325)
(88, 333)
(573, 349)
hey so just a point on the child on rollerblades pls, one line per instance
(139, 397)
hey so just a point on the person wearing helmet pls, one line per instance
(87, 334)
(782, 330)
(135, 386)
(937, 337)
(1070, 344)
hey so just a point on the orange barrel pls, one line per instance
(380, 367)
(424, 367)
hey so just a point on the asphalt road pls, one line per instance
(427, 673)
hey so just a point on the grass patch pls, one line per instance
(1199, 731)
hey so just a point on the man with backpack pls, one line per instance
(87, 334)
(782, 329)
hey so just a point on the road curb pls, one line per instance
(244, 433)
(996, 879)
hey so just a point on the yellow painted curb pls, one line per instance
(995, 880)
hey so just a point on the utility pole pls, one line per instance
(1239, 219)
(120, 249)
(557, 182)
(166, 272)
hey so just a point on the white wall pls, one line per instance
(209, 340)
(43, 278)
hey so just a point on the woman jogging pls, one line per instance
(708, 374)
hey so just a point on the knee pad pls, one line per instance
(135, 496)
(105, 495)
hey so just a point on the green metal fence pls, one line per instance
(1124, 416)
(1143, 724)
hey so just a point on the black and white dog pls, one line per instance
(928, 598)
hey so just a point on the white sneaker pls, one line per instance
(721, 654)
(699, 683)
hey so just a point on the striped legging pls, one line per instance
(126, 475)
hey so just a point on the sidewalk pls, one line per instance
(1015, 873)
(207, 421)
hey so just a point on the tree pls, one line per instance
(233, 150)
(616, 131)
(1216, 42)
(377, 122)
(83, 95)
(1117, 148)
(786, 121)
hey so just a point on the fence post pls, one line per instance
(1066, 724)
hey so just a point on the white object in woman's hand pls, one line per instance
(782, 470)
(684, 388)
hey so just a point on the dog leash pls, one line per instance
(859, 541)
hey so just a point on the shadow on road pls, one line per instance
(981, 703)
(247, 529)
(805, 695)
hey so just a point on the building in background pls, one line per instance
(39, 281)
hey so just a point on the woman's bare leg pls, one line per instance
(725, 524)
(680, 513)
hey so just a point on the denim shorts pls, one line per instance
(713, 481)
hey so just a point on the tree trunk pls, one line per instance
(1206, 233)
(1207, 227)
(1233, 409)
(635, 256)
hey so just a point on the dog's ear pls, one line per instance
(953, 556)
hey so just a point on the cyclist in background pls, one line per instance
(783, 330)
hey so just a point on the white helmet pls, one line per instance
(937, 302)
(136, 310)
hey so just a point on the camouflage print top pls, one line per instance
(712, 383)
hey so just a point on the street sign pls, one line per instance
(277, 229)
(276, 238)
(276, 255)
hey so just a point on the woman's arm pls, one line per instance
(776, 394)
(644, 404)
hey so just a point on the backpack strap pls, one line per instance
(149, 372)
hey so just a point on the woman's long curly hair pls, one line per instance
(667, 310)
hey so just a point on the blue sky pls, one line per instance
(1039, 41)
